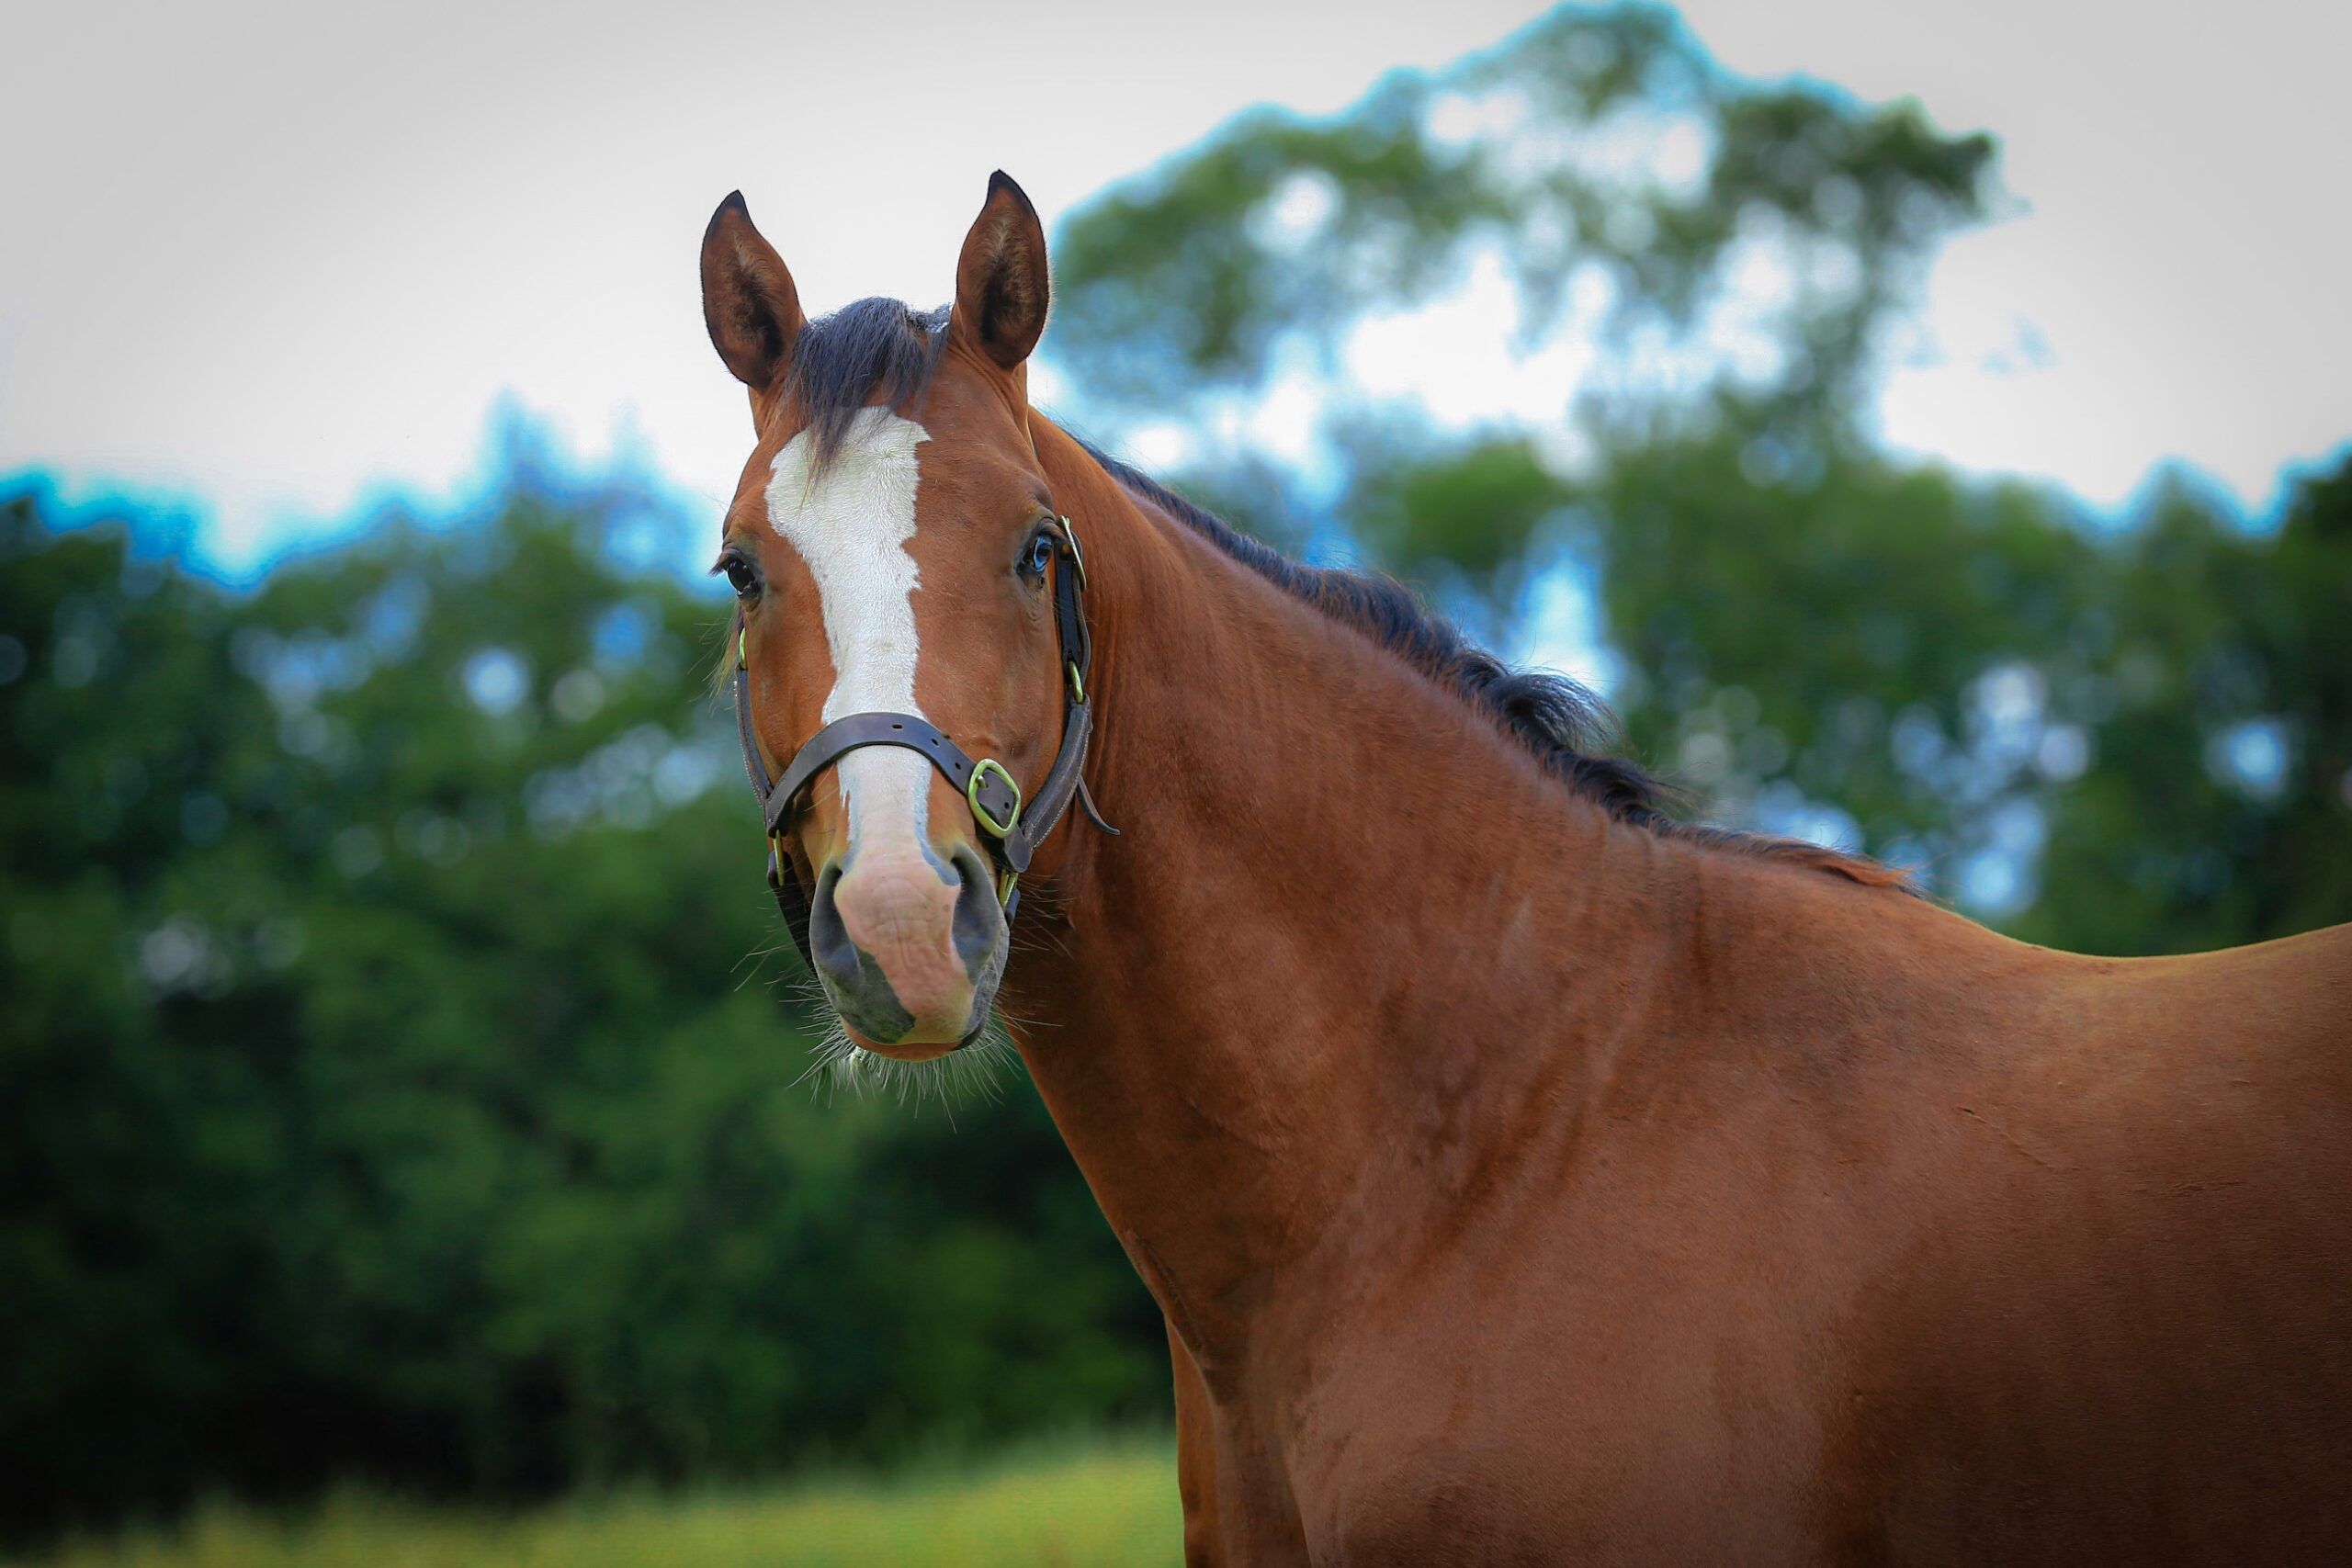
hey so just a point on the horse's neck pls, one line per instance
(1346, 922)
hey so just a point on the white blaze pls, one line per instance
(852, 525)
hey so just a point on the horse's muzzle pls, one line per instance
(909, 946)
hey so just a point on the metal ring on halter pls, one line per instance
(980, 771)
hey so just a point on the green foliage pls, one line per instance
(384, 1084)
(1981, 685)
(2216, 653)
(1469, 511)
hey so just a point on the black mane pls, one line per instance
(842, 361)
(1556, 721)
(1553, 717)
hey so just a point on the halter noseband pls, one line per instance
(1012, 827)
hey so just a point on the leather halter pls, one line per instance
(1012, 825)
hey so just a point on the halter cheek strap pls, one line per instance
(1011, 826)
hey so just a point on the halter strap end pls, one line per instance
(1086, 804)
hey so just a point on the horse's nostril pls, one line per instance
(858, 986)
(978, 927)
(830, 948)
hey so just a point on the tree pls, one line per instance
(2125, 739)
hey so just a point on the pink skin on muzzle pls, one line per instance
(901, 913)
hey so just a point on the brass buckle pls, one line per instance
(1077, 686)
(1004, 887)
(980, 771)
(1077, 555)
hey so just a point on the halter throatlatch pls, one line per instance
(1011, 826)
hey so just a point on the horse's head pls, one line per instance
(893, 545)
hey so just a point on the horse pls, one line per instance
(1524, 1176)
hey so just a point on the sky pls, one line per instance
(277, 260)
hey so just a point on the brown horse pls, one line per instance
(1525, 1177)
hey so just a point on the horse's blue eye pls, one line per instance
(1041, 555)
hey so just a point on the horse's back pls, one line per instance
(2124, 1331)
(2289, 995)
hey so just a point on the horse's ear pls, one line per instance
(748, 300)
(1001, 288)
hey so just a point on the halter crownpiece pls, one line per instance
(1012, 827)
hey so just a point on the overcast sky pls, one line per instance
(272, 258)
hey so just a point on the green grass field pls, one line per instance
(1111, 1504)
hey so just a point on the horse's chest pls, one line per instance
(1537, 1443)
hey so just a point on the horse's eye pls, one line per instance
(740, 576)
(1037, 557)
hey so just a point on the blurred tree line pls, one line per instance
(397, 1080)
(398, 1077)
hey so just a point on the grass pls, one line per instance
(1110, 1503)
